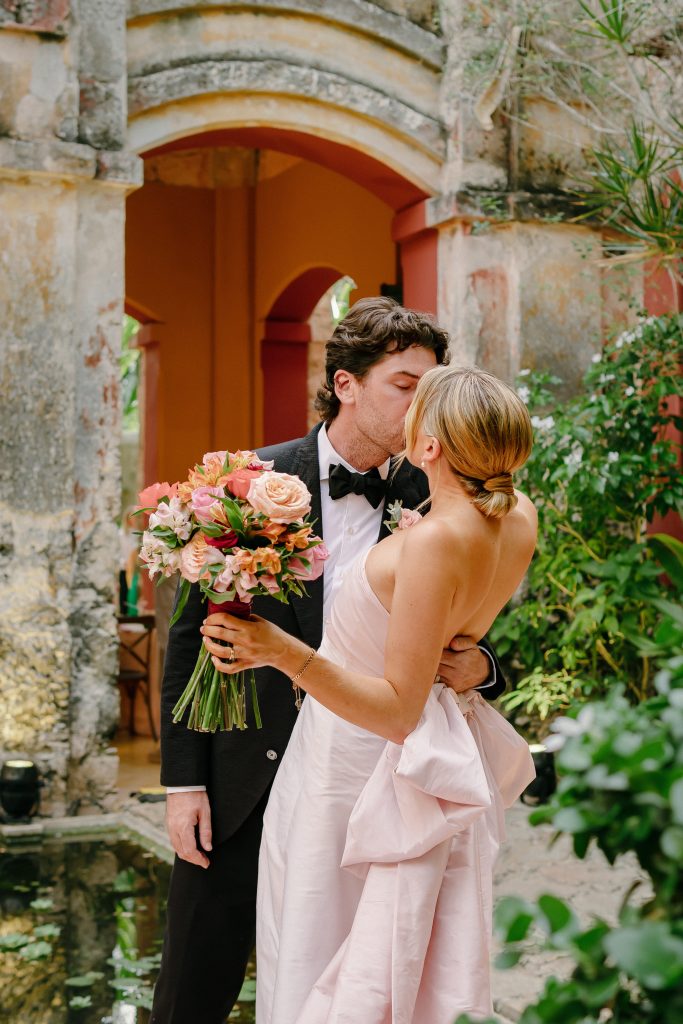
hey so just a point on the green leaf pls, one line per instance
(671, 843)
(556, 912)
(648, 952)
(669, 553)
(185, 587)
(84, 980)
(47, 931)
(14, 940)
(676, 801)
(42, 903)
(80, 1002)
(36, 951)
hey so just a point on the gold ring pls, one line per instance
(437, 679)
(232, 655)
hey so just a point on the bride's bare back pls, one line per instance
(486, 560)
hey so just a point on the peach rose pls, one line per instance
(280, 497)
(193, 558)
(239, 481)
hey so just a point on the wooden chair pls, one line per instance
(135, 641)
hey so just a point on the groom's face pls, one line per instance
(382, 397)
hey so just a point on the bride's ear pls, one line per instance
(432, 451)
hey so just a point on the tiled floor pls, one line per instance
(138, 762)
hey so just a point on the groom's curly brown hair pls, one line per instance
(372, 328)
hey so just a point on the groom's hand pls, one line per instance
(185, 811)
(463, 666)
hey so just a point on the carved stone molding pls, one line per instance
(42, 16)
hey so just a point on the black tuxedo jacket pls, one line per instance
(237, 767)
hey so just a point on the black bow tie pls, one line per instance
(343, 481)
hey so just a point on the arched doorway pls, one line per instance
(233, 238)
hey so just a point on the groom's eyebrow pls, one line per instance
(406, 373)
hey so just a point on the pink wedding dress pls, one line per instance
(376, 865)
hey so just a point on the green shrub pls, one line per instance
(603, 464)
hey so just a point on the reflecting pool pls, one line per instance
(81, 927)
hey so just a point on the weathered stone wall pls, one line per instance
(61, 239)
(86, 84)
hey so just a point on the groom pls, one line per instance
(218, 784)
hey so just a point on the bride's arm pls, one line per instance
(389, 706)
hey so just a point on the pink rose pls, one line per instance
(204, 505)
(316, 556)
(409, 516)
(280, 497)
(193, 557)
(239, 481)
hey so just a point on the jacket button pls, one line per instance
(271, 755)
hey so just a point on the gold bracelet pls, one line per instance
(297, 689)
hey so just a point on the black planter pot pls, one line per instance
(19, 789)
(544, 785)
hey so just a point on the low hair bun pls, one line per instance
(499, 484)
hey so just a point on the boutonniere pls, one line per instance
(401, 518)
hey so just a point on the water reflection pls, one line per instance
(81, 926)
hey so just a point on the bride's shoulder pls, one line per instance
(525, 509)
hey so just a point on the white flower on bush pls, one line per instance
(629, 391)
(524, 393)
(605, 378)
(158, 556)
(628, 337)
(173, 516)
(565, 728)
(524, 373)
(596, 358)
(542, 422)
(612, 456)
(575, 457)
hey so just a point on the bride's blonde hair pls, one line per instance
(483, 428)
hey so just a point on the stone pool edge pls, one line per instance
(122, 824)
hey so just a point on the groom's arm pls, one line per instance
(495, 683)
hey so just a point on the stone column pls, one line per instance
(61, 283)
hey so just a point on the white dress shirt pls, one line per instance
(350, 526)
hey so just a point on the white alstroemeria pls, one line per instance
(173, 516)
(542, 422)
(612, 456)
(524, 393)
(158, 556)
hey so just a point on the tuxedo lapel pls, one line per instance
(309, 610)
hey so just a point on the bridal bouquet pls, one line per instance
(238, 529)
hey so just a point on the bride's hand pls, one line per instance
(254, 642)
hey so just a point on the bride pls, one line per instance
(376, 865)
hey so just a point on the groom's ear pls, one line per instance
(344, 386)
